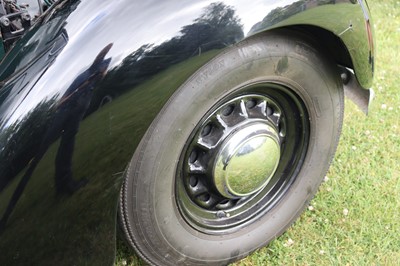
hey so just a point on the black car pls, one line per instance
(202, 129)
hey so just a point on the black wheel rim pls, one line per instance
(200, 201)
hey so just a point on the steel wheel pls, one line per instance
(241, 158)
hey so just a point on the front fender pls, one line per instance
(82, 86)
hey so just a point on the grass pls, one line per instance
(354, 219)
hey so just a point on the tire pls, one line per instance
(273, 94)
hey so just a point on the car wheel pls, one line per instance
(235, 155)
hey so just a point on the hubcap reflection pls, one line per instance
(247, 161)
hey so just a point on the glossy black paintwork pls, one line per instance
(53, 105)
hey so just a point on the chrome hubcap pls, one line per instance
(247, 160)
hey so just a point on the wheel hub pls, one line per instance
(247, 161)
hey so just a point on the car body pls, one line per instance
(88, 79)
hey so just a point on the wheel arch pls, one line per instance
(328, 41)
(343, 27)
(344, 61)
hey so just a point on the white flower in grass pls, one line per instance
(322, 252)
(383, 106)
(311, 208)
(289, 243)
(345, 212)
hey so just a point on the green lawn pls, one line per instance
(354, 219)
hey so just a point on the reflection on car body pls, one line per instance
(142, 100)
